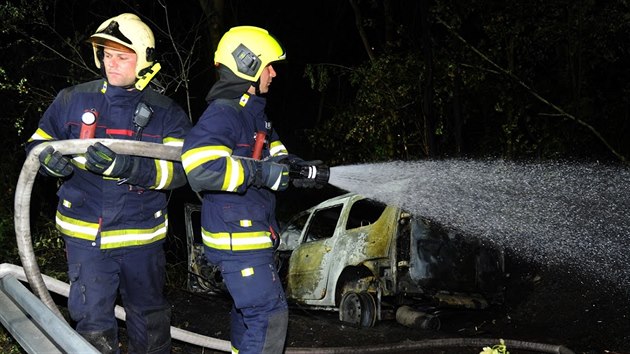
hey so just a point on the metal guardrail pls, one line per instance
(49, 323)
(36, 327)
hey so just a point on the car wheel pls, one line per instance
(368, 309)
(358, 309)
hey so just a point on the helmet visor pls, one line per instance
(113, 31)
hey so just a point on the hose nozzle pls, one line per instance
(310, 170)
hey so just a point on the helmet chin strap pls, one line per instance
(257, 87)
(147, 76)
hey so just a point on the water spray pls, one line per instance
(573, 215)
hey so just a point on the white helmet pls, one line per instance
(125, 31)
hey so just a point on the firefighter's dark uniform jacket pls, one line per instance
(100, 210)
(244, 218)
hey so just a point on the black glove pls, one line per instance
(54, 163)
(305, 181)
(104, 161)
(274, 176)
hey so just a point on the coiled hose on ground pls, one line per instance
(34, 277)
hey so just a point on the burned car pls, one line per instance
(369, 261)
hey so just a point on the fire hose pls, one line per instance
(25, 185)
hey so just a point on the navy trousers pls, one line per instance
(97, 277)
(260, 313)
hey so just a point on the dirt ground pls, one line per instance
(546, 311)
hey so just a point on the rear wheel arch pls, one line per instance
(349, 279)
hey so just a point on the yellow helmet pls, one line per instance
(247, 50)
(130, 32)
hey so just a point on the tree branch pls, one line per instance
(561, 112)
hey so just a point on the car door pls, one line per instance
(310, 261)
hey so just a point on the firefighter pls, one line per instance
(238, 222)
(112, 209)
